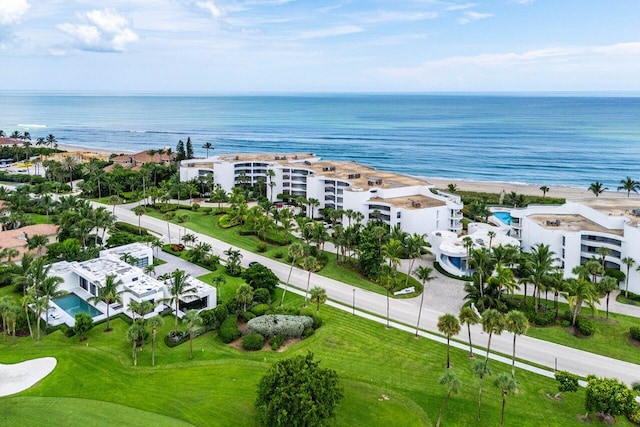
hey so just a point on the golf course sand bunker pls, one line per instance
(20, 376)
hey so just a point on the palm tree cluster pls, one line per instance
(627, 184)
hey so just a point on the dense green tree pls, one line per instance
(567, 382)
(181, 154)
(297, 392)
(189, 149)
(609, 396)
(84, 323)
(260, 276)
(370, 255)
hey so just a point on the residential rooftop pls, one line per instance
(571, 222)
(627, 207)
(97, 269)
(410, 202)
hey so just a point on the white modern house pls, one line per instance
(82, 280)
(394, 198)
(450, 251)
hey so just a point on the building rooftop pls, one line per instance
(201, 288)
(281, 158)
(145, 285)
(571, 222)
(15, 238)
(410, 202)
(97, 269)
(130, 248)
(627, 207)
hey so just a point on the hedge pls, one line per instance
(276, 324)
(229, 330)
(634, 332)
(253, 342)
(585, 326)
(260, 309)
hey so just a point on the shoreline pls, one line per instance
(82, 149)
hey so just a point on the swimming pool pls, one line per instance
(503, 217)
(73, 304)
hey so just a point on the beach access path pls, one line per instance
(405, 311)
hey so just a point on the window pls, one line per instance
(84, 284)
(92, 288)
(399, 215)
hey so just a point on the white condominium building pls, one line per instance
(395, 199)
(575, 231)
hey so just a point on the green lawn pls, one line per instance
(610, 338)
(218, 386)
(41, 219)
(208, 225)
(226, 291)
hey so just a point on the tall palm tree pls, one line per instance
(207, 146)
(544, 190)
(492, 323)
(603, 252)
(424, 274)
(629, 185)
(318, 296)
(244, 295)
(597, 188)
(309, 264)
(483, 263)
(448, 325)
(270, 175)
(414, 247)
(469, 317)
(135, 333)
(295, 251)
(139, 211)
(606, 285)
(155, 322)
(194, 323)
(507, 385)
(28, 299)
(49, 289)
(480, 369)
(40, 304)
(178, 288)
(386, 273)
(579, 291)
(109, 294)
(452, 383)
(541, 265)
(628, 262)
(515, 322)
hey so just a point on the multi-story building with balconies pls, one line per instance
(393, 198)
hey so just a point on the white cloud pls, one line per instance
(393, 16)
(460, 6)
(471, 16)
(210, 7)
(104, 31)
(11, 11)
(330, 32)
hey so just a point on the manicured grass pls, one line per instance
(208, 225)
(218, 386)
(226, 291)
(609, 339)
(41, 219)
(632, 300)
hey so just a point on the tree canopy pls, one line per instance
(297, 392)
(259, 276)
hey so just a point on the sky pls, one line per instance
(274, 46)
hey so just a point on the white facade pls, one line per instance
(395, 199)
(84, 279)
(575, 231)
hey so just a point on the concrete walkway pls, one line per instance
(405, 312)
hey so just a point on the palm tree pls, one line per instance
(448, 325)
(483, 263)
(480, 369)
(194, 322)
(507, 385)
(452, 188)
(491, 235)
(424, 274)
(139, 211)
(207, 146)
(27, 299)
(414, 246)
(109, 294)
(68, 164)
(114, 200)
(155, 322)
(39, 305)
(629, 185)
(51, 141)
(628, 261)
(386, 273)
(542, 260)
(515, 322)
(603, 252)
(469, 317)
(270, 175)
(318, 296)
(296, 250)
(6, 305)
(606, 285)
(597, 188)
(244, 295)
(178, 287)
(135, 333)
(452, 383)
(309, 264)
(579, 291)
(49, 290)
(544, 190)
(492, 323)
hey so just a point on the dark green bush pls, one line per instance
(566, 323)
(229, 330)
(207, 210)
(129, 228)
(221, 312)
(262, 247)
(309, 312)
(209, 320)
(276, 342)
(247, 315)
(308, 332)
(634, 332)
(195, 207)
(171, 340)
(67, 331)
(543, 318)
(260, 309)
(253, 342)
(585, 326)
(278, 255)
(262, 296)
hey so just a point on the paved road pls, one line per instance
(405, 311)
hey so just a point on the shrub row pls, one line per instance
(229, 329)
(129, 228)
(276, 324)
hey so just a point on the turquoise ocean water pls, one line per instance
(554, 140)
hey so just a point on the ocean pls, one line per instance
(537, 139)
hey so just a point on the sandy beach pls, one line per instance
(80, 149)
(571, 193)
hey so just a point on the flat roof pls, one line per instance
(201, 289)
(282, 158)
(145, 285)
(615, 207)
(410, 202)
(571, 222)
(98, 269)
